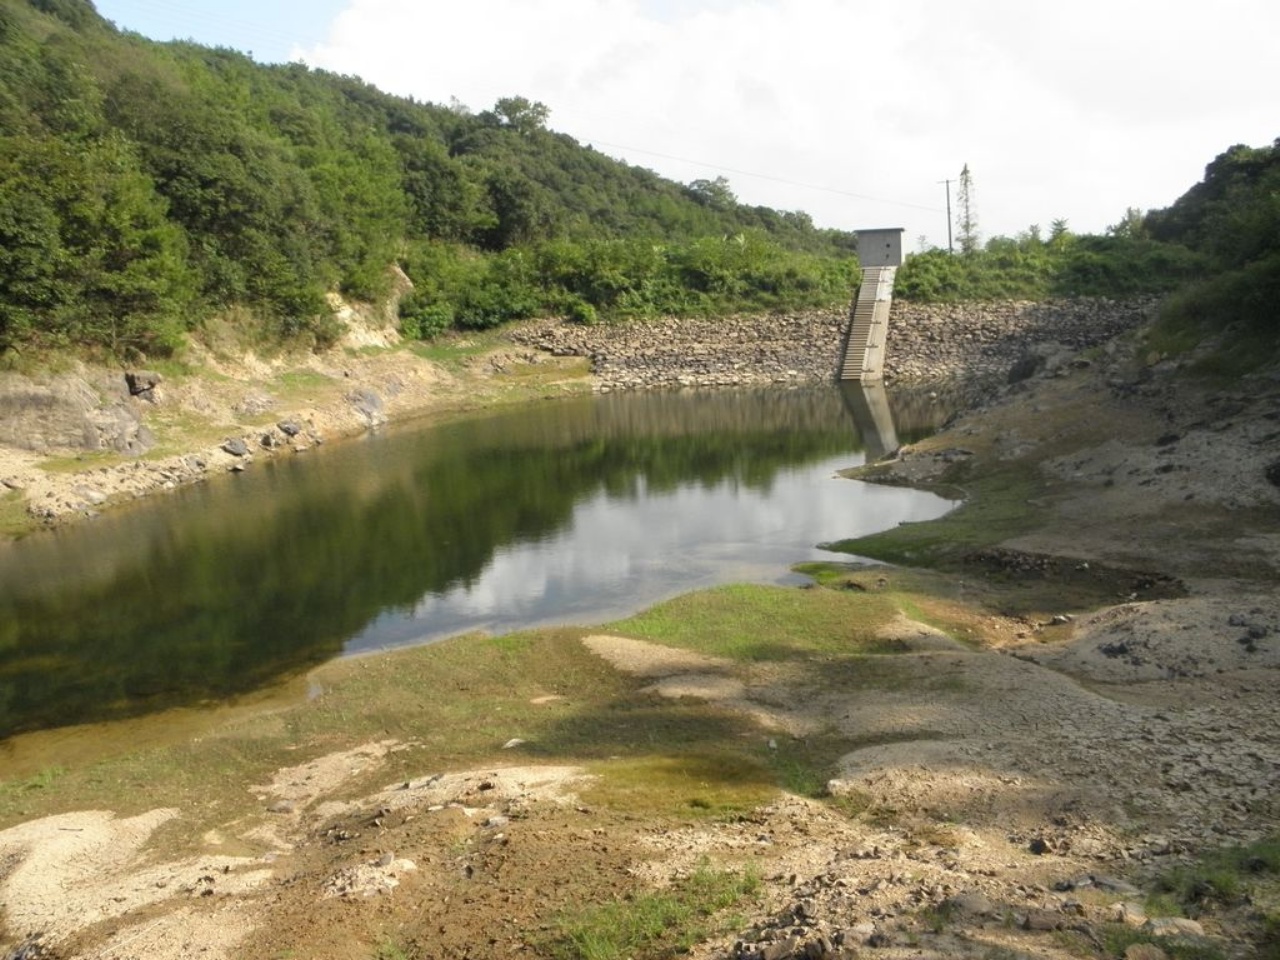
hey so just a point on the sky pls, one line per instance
(853, 112)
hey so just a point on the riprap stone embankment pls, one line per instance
(927, 342)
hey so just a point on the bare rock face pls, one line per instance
(67, 412)
(142, 383)
(369, 405)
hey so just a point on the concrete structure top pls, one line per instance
(881, 247)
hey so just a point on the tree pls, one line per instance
(520, 114)
(713, 193)
(86, 253)
(77, 14)
(521, 207)
(1132, 225)
(967, 217)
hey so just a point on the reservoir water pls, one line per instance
(569, 511)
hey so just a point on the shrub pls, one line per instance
(422, 318)
(577, 310)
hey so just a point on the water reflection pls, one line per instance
(565, 511)
(869, 405)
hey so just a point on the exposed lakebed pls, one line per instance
(571, 511)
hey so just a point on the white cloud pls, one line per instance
(1061, 110)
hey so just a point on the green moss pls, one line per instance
(762, 623)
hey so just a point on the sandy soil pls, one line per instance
(1024, 789)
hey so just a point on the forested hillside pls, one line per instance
(1232, 218)
(145, 186)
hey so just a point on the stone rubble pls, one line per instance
(927, 343)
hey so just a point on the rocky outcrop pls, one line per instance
(67, 411)
(142, 383)
(927, 342)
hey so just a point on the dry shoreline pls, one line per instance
(1018, 796)
(231, 414)
(237, 407)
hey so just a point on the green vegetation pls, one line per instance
(1216, 250)
(655, 924)
(1030, 267)
(1241, 880)
(387, 950)
(1223, 878)
(146, 188)
(1119, 938)
(461, 700)
(997, 507)
(763, 624)
(13, 513)
(1232, 218)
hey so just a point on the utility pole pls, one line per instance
(968, 219)
(950, 247)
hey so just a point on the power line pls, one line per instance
(183, 22)
(176, 16)
(766, 176)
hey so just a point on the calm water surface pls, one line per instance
(572, 511)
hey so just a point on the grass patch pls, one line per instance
(457, 703)
(1117, 938)
(1232, 313)
(389, 950)
(800, 775)
(454, 350)
(761, 623)
(951, 604)
(1245, 352)
(852, 803)
(1172, 335)
(654, 924)
(41, 780)
(173, 368)
(1222, 878)
(14, 520)
(997, 510)
(1240, 882)
(180, 431)
(702, 785)
(296, 381)
(81, 462)
(805, 766)
(939, 917)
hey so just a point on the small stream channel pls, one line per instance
(571, 511)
